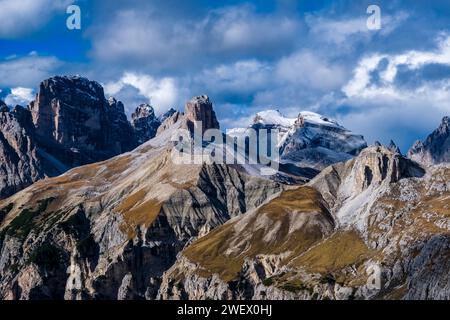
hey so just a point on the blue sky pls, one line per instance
(247, 56)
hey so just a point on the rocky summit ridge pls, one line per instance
(310, 140)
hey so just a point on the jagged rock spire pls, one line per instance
(436, 147)
(144, 122)
(200, 108)
(393, 147)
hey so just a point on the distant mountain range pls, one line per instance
(95, 208)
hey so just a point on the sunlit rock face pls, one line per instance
(200, 109)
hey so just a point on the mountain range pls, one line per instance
(70, 123)
(94, 207)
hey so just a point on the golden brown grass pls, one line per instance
(304, 200)
(136, 213)
(342, 249)
(209, 251)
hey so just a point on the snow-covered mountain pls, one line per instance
(310, 140)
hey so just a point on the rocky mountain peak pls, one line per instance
(200, 108)
(144, 122)
(166, 115)
(116, 105)
(393, 147)
(436, 147)
(273, 118)
(70, 123)
(143, 111)
(19, 163)
(378, 164)
(444, 128)
(310, 140)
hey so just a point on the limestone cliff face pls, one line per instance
(19, 160)
(72, 114)
(377, 165)
(169, 121)
(200, 109)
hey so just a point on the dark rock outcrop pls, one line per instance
(3, 107)
(144, 122)
(119, 132)
(436, 148)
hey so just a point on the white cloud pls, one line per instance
(361, 86)
(340, 31)
(235, 28)
(161, 93)
(19, 95)
(310, 71)
(27, 71)
(18, 18)
(382, 109)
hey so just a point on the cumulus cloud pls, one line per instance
(383, 106)
(162, 93)
(18, 18)
(362, 86)
(19, 95)
(27, 71)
